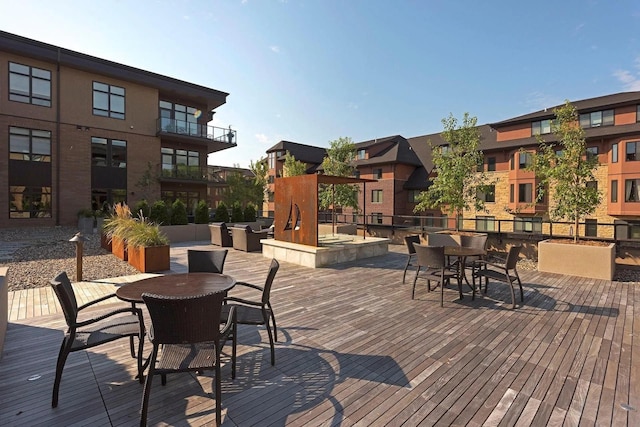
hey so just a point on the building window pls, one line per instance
(489, 195)
(524, 160)
(376, 218)
(29, 202)
(182, 164)
(182, 119)
(511, 195)
(528, 224)
(633, 151)
(108, 100)
(491, 164)
(632, 190)
(377, 174)
(511, 161)
(111, 153)
(356, 173)
(271, 179)
(614, 153)
(271, 196)
(414, 195)
(541, 127)
(524, 193)
(591, 227)
(376, 196)
(29, 84)
(592, 152)
(614, 191)
(485, 223)
(596, 119)
(29, 145)
(362, 154)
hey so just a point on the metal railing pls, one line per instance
(184, 172)
(185, 128)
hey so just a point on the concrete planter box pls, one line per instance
(596, 262)
(4, 305)
(339, 229)
(149, 259)
(186, 233)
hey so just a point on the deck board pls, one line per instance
(354, 349)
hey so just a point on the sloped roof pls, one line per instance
(302, 152)
(399, 151)
(585, 105)
(419, 180)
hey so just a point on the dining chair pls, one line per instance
(206, 261)
(118, 323)
(411, 252)
(478, 241)
(432, 258)
(186, 337)
(506, 272)
(256, 312)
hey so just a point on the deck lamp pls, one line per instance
(79, 240)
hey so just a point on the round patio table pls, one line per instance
(176, 285)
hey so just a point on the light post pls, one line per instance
(79, 240)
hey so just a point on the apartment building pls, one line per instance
(81, 131)
(218, 182)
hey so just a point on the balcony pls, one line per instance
(215, 138)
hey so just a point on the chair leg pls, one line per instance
(513, 295)
(65, 349)
(218, 392)
(442, 293)
(405, 269)
(273, 319)
(234, 340)
(415, 279)
(265, 317)
(520, 284)
(140, 363)
(147, 388)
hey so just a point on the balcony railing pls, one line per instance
(184, 173)
(195, 130)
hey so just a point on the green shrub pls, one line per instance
(236, 213)
(142, 207)
(249, 213)
(179, 213)
(145, 233)
(202, 213)
(222, 213)
(85, 213)
(159, 213)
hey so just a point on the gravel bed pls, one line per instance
(43, 252)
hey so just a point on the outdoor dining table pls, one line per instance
(462, 252)
(176, 285)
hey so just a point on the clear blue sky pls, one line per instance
(312, 71)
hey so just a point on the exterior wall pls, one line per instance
(514, 132)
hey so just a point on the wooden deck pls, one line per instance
(354, 349)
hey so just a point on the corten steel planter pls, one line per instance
(119, 247)
(149, 259)
(596, 262)
(105, 242)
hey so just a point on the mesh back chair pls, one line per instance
(90, 332)
(206, 261)
(503, 272)
(252, 312)
(476, 242)
(410, 241)
(432, 258)
(186, 337)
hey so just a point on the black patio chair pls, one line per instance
(253, 312)
(187, 337)
(206, 261)
(411, 255)
(90, 332)
(432, 258)
(503, 272)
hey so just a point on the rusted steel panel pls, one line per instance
(296, 210)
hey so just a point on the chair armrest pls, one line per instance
(132, 310)
(90, 303)
(231, 321)
(242, 301)
(485, 263)
(250, 285)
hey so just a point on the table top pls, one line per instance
(463, 251)
(176, 285)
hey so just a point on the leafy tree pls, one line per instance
(243, 189)
(179, 213)
(159, 214)
(260, 171)
(568, 173)
(222, 213)
(202, 213)
(293, 167)
(457, 182)
(249, 213)
(147, 181)
(236, 213)
(338, 163)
